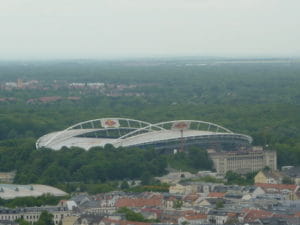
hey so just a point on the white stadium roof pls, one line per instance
(10, 191)
(123, 132)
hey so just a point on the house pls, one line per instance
(268, 177)
(250, 192)
(182, 189)
(169, 201)
(216, 195)
(69, 220)
(190, 199)
(175, 177)
(193, 219)
(293, 173)
(139, 202)
(287, 191)
(251, 215)
(217, 217)
(107, 221)
(211, 202)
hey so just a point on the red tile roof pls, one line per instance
(297, 214)
(216, 195)
(197, 216)
(253, 214)
(191, 197)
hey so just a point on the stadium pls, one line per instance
(124, 132)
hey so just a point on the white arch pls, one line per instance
(83, 130)
(159, 125)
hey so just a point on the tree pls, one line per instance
(124, 185)
(177, 204)
(219, 204)
(23, 222)
(45, 219)
(131, 215)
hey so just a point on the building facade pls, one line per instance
(32, 214)
(243, 161)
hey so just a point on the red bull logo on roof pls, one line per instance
(181, 125)
(110, 123)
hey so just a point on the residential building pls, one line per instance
(268, 177)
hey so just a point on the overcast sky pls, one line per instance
(137, 28)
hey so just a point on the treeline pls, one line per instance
(31, 201)
(174, 81)
(98, 165)
(274, 126)
(261, 100)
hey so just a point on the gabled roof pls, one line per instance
(273, 174)
(253, 214)
(216, 195)
(197, 216)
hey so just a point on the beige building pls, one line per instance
(268, 177)
(182, 189)
(243, 161)
(32, 214)
(7, 177)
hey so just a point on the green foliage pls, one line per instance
(177, 204)
(194, 159)
(76, 165)
(124, 185)
(31, 201)
(219, 204)
(22, 222)
(258, 99)
(131, 215)
(207, 179)
(234, 178)
(45, 219)
(148, 188)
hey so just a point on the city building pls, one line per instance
(243, 161)
(32, 214)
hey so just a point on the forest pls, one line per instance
(258, 99)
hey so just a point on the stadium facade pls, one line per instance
(123, 132)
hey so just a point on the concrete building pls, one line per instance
(32, 214)
(243, 161)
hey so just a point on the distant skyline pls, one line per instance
(105, 29)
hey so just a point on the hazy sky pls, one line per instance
(121, 28)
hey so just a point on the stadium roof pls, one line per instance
(10, 191)
(123, 132)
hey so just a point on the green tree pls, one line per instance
(124, 185)
(131, 215)
(45, 219)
